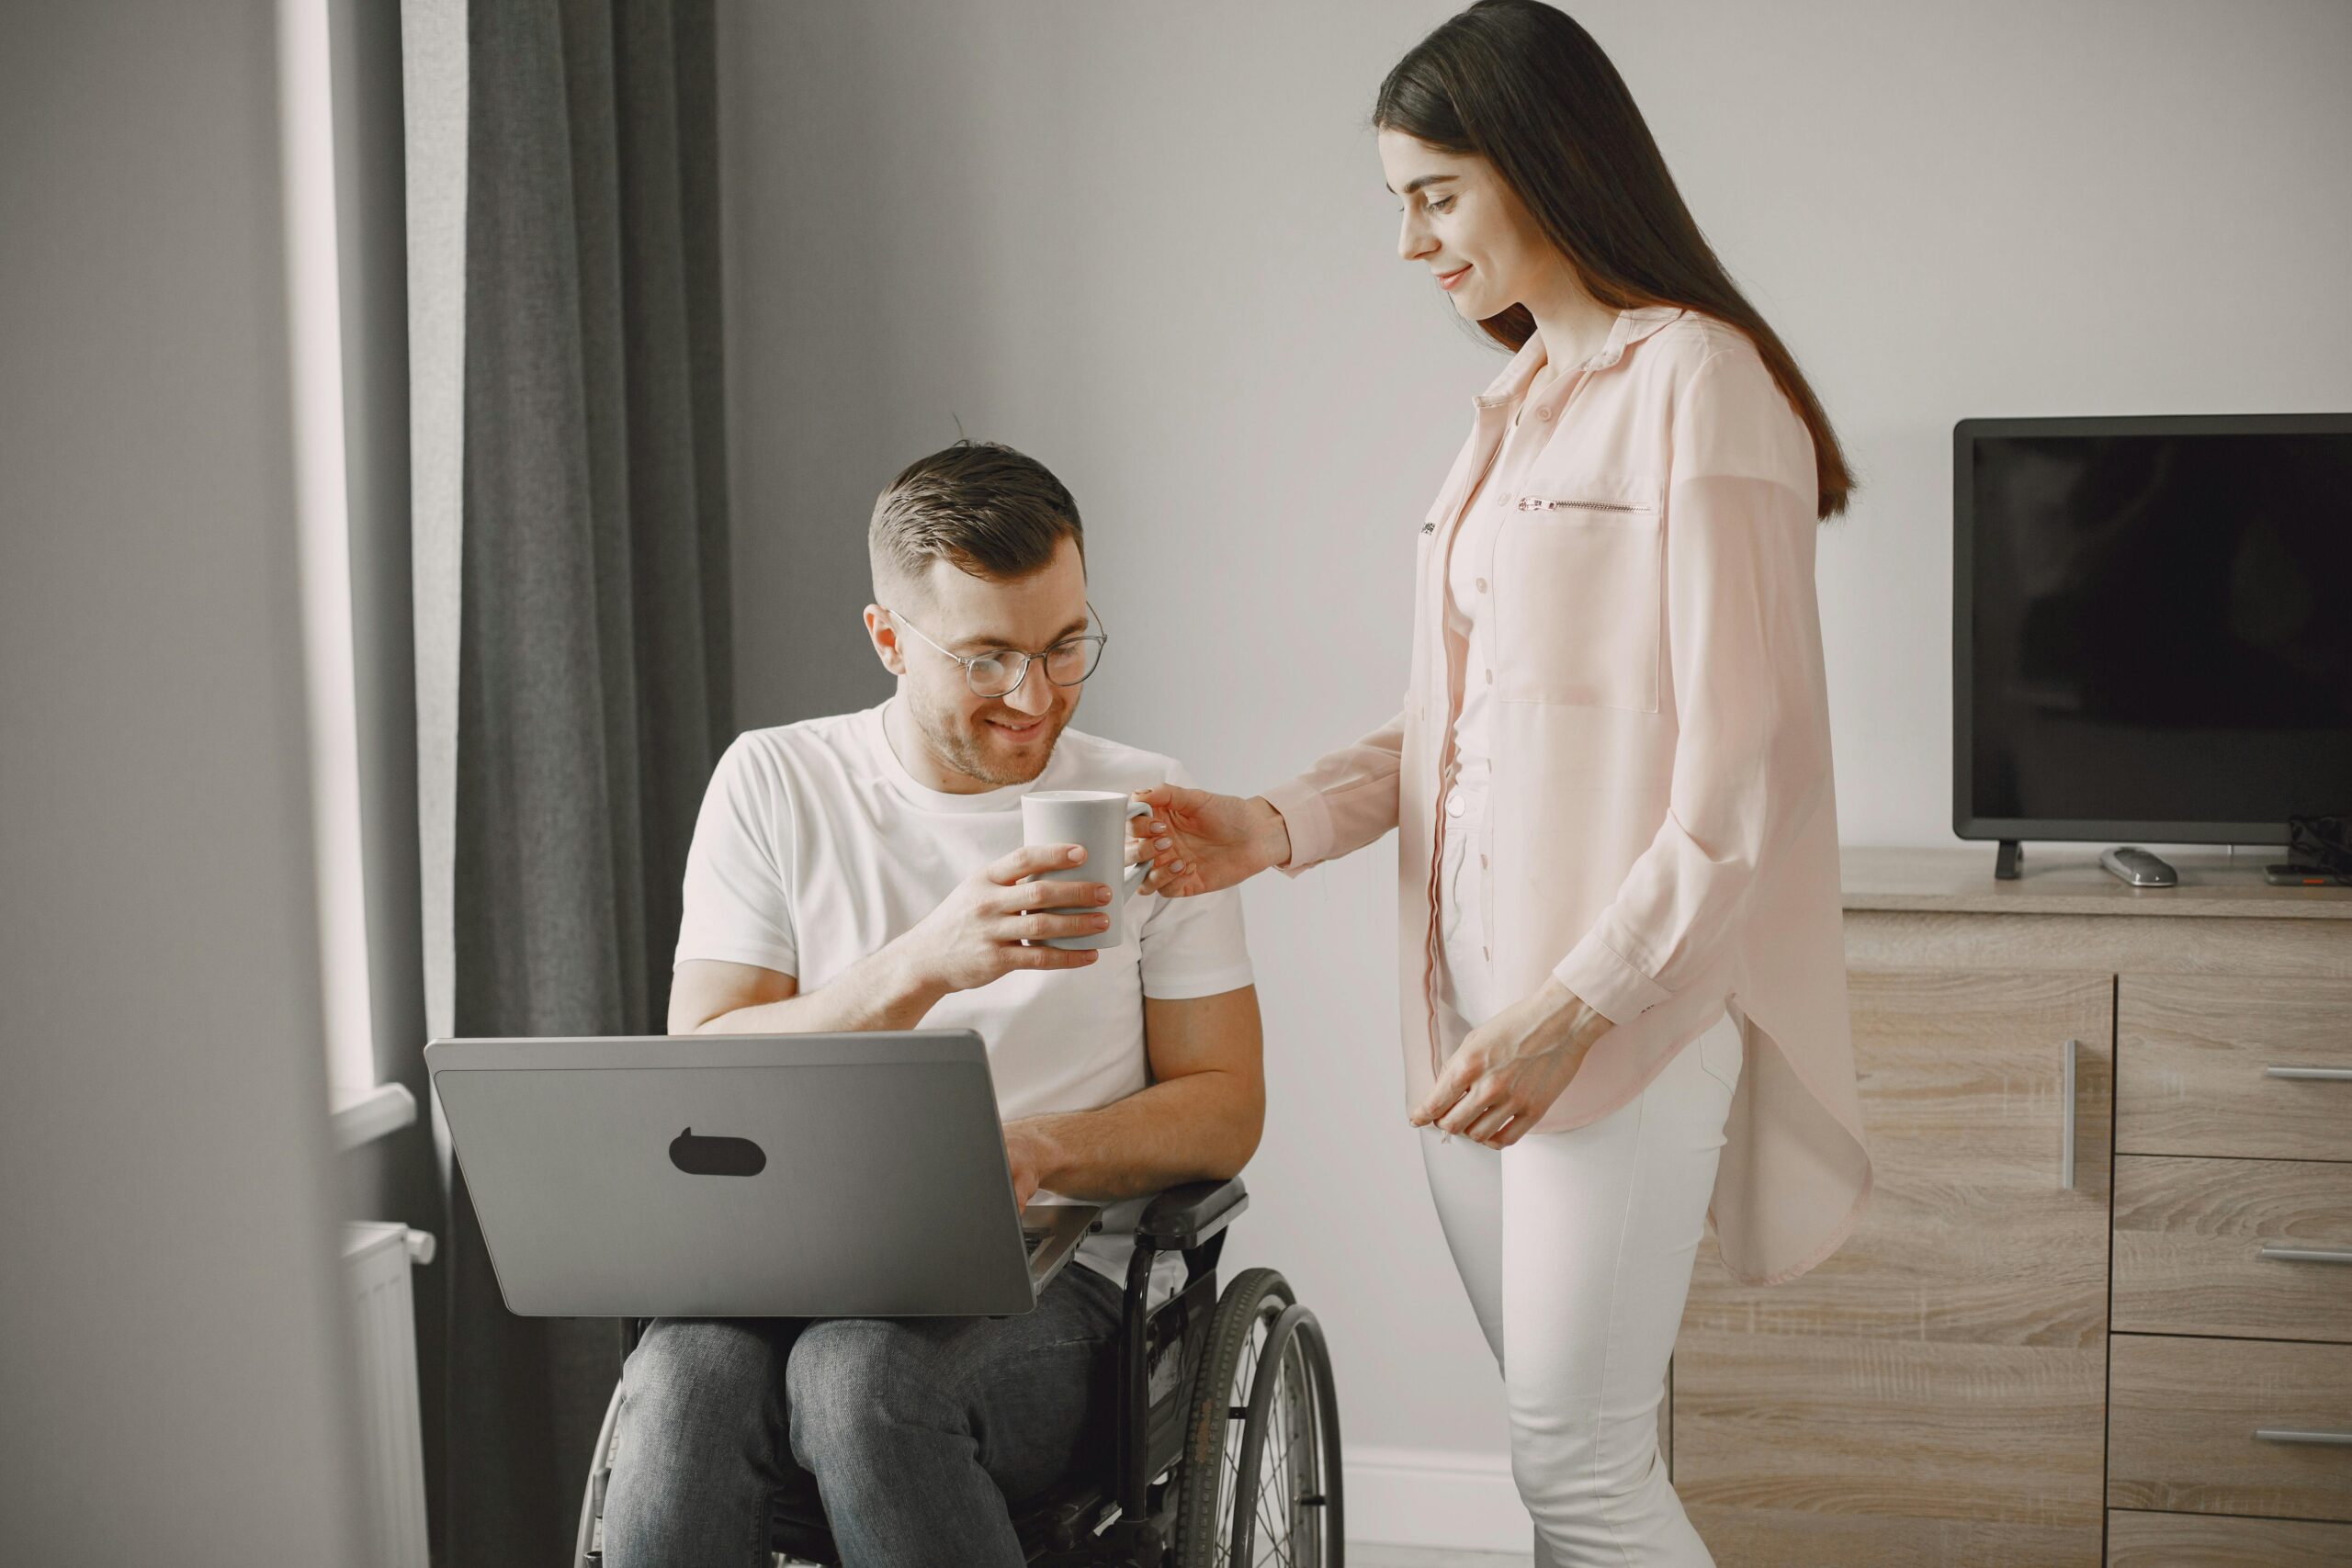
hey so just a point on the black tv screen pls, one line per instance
(2151, 627)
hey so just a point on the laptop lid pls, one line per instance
(856, 1174)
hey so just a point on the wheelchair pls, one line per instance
(1226, 1437)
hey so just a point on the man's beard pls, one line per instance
(967, 753)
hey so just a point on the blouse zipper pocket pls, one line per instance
(1546, 503)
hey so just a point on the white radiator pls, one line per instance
(374, 1273)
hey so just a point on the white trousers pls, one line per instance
(1576, 1250)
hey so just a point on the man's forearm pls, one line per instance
(1200, 1127)
(881, 990)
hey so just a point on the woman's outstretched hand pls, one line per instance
(1198, 843)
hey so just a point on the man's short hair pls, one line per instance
(990, 511)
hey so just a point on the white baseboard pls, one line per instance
(1435, 1497)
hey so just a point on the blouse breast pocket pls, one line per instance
(1579, 585)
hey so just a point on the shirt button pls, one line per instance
(1490, 677)
(1544, 413)
(1454, 807)
(1482, 863)
(1482, 585)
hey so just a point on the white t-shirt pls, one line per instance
(817, 848)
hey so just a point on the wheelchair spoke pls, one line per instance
(1276, 1488)
(1296, 1523)
(1245, 1376)
(1304, 1472)
(1291, 1404)
(1275, 1516)
(1271, 1548)
(1273, 1519)
(1273, 1508)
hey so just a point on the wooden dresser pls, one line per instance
(2100, 1308)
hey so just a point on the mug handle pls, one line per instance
(1134, 873)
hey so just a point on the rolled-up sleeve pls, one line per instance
(1744, 660)
(1345, 801)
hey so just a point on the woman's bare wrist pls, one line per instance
(1273, 834)
(1569, 1017)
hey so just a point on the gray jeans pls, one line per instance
(916, 1431)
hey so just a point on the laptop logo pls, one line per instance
(717, 1156)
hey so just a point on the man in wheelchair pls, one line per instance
(865, 872)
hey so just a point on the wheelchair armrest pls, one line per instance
(1182, 1217)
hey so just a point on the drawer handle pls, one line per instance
(2067, 1123)
(2289, 1434)
(2286, 1254)
(2323, 1074)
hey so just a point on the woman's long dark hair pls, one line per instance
(1523, 86)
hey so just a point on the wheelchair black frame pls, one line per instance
(1161, 1346)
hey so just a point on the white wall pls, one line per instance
(173, 1364)
(1150, 245)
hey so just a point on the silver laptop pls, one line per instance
(747, 1176)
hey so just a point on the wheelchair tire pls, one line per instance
(1262, 1394)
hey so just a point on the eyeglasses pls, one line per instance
(1067, 662)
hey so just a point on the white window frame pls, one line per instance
(360, 1107)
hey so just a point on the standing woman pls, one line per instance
(1622, 972)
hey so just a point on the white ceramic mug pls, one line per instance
(1096, 818)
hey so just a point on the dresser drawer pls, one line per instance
(2254, 1248)
(2203, 1066)
(2198, 1540)
(2182, 1418)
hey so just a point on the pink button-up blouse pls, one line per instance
(1664, 837)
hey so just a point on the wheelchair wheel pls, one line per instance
(1262, 1448)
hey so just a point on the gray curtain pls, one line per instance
(592, 690)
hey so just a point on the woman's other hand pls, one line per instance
(1510, 1069)
(1198, 843)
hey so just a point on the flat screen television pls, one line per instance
(2152, 626)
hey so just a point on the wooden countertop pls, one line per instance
(2068, 880)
